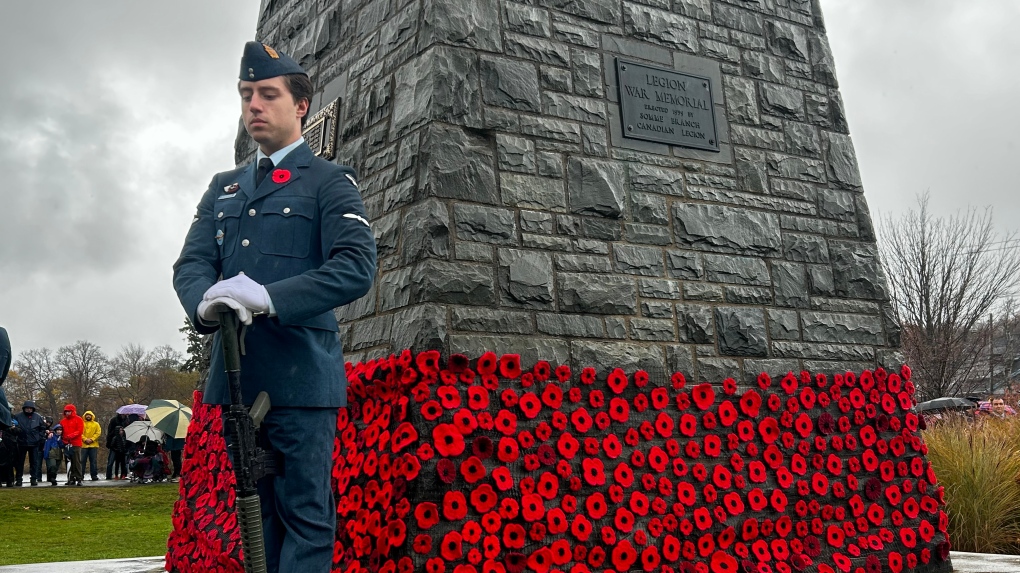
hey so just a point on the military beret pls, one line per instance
(260, 62)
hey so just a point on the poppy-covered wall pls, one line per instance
(486, 465)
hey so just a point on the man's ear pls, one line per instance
(302, 107)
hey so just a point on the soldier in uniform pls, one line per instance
(282, 241)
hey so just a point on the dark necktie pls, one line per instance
(265, 166)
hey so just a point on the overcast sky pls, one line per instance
(114, 115)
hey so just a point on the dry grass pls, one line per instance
(979, 465)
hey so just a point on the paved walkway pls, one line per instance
(962, 563)
(87, 482)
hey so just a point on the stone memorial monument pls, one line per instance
(654, 186)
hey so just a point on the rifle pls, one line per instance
(249, 460)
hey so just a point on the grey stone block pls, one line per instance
(510, 83)
(703, 292)
(531, 192)
(647, 234)
(792, 167)
(695, 324)
(597, 10)
(595, 187)
(678, 359)
(736, 270)
(605, 356)
(583, 264)
(477, 252)
(526, 19)
(741, 100)
(556, 79)
(784, 324)
(741, 331)
(515, 153)
(631, 260)
(653, 309)
(659, 288)
(525, 279)
(715, 370)
(648, 208)
(764, 67)
(738, 19)
(458, 165)
(536, 222)
(570, 325)
(360, 308)
(700, 9)
(652, 329)
(394, 288)
(842, 328)
(752, 295)
(794, 189)
(596, 294)
(576, 35)
(545, 242)
(593, 141)
(550, 164)
(838, 205)
(473, 25)
(485, 224)
(530, 348)
(556, 130)
(537, 49)
(660, 27)
(616, 327)
(822, 63)
(816, 351)
(587, 73)
(805, 248)
(488, 320)
(387, 234)
(684, 265)
(441, 84)
(426, 231)
(857, 271)
(727, 229)
(651, 179)
(452, 283)
(821, 281)
(789, 282)
(788, 40)
(752, 173)
(841, 161)
(375, 331)
(782, 101)
(575, 108)
(422, 327)
(803, 139)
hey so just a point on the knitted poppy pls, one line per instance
(703, 396)
(484, 498)
(617, 380)
(768, 428)
(727, 414)
(446, 470)
(552, 396)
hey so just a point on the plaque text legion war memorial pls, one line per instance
(666, 106)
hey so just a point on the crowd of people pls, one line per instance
(71, 447)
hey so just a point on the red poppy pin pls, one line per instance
(281, 176)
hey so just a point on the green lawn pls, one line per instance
(41, 524)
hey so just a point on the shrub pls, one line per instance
(978, 462)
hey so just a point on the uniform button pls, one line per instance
(245, 243)
(219, 215)
(251, 212)
(286, 209)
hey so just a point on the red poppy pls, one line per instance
(448, 440)
(617, 380)
(484, 498)
(703, 396)
(281, 176)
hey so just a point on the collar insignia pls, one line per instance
(272, 53)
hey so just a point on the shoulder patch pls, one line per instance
(357, 217)
(353, 181)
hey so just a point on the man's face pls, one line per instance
(28, 411)
(67, 413)
(270, 114)
(998, 405)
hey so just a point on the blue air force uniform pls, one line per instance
(303, 234)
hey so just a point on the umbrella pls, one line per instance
(170, 416)
(946, 403)
(132, 409)
(135, 431)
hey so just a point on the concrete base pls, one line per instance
(962, 563)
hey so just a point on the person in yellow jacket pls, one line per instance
(90, 445)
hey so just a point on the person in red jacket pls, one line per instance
(73, 426)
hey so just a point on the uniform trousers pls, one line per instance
(298, 512)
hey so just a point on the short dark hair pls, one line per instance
(300, 87)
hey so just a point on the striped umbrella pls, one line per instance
(170, 416)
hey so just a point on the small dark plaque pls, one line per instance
(666, 106)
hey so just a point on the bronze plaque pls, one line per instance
(320, 130)
(666, 106)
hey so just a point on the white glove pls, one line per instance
(243, 290)
(209, 310)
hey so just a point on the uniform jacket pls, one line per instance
(73, 426)
(32, 427)
(92, 430)
(303, 234)
(5, 367)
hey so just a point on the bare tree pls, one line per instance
(947, 275)
(40, 375)
(86, 369)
